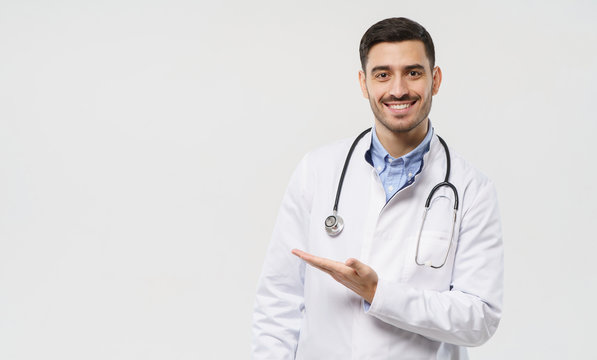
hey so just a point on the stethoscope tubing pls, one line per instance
(348, 156)
(334, 223)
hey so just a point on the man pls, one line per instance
(402, 286)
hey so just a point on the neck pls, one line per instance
(398, 144)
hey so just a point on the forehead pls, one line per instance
(397, 54)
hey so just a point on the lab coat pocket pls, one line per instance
(433, 248)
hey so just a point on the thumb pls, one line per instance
(355, 264)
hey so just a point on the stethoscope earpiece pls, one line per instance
(334, 224)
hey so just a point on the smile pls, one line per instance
(400, 106)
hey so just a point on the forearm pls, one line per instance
(451, 316)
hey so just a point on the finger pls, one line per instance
(308, 258)
(335, 274)
(298, 252)
(320, 268)
(319, 262)
(304, 255)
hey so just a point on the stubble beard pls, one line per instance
(381, 118)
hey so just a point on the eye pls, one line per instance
(382, 76)
(414, 74)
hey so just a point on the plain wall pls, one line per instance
(145, 147)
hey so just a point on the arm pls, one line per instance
(469, 313)
(279, 301)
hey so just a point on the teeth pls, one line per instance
(399, 106)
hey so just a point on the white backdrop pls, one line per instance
(145, 147)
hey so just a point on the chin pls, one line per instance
(402, 127)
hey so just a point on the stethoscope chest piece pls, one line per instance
(334, 224)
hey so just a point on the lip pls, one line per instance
(388, 106)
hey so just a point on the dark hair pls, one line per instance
(395, 30)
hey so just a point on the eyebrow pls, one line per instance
(406, 68)
(414, 67)
(380, 68)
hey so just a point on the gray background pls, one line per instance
(145, 147)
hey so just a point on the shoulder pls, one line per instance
(462, 172)
(468, 170)
(322, 157)
(317, 169)
(471, 182)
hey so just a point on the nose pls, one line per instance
(398, 87)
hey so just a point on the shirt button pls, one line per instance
(390, 188)
(379, 168)
(410, 175)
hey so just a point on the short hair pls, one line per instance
(396, 30)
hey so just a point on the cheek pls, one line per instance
(425, 91)
(431, 89)
(376, 93)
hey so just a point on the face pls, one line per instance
(399, 84)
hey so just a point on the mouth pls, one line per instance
(399, 107)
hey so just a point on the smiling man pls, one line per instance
(409, 263)
(399, 83)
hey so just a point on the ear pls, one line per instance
(437, 79)
(363, 83)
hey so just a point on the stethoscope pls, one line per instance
(334, 223)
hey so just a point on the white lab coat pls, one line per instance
(417, 312)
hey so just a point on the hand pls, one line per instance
(353, 274)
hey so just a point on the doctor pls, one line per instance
(392, 284)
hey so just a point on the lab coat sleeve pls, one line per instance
(279, 300)
(469, 313)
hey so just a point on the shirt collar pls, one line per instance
(377, 154)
